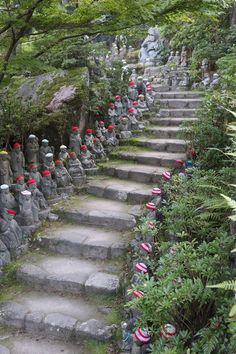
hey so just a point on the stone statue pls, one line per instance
(6, 175)
(101, 127)
(184, 58)
(123, 128)
(177, 58)
(34, 174)
(215, 80)
(75, 140)
(20, 186)
(142, 104)
(151, 47)
(49, 163)
(28, 215)
(38, 199)
(185, 80)
(17, 160)
(133, 122)
(32, 149)
(132, 91)
(11, 234)
(7, 201)
(111, 140)
(140, 86)
(64, 155)
(44, 150)
(171, 59)
(137, 112)
(48, 186)
(114, 52)
(126, 103)
(98, 150)
(118, 106)
(112, 116)
(62, 176)
(86, 158)
(205, 68)
(149, 97)
(88, 139)
(133, 77)
(75, 167)
(5, 256)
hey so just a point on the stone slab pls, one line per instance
(191, 103)
(100, 212)
(184, 112)
(102, 283)
(95, 329)
(169, 145)
(59, 274)
(180, 94)
(165, 132)
(135, 172)
(171, 121)
(127, 191)
(84, 241)
(162, 159)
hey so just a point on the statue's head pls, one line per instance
(111, 105)
(110, 128)
(20, 180)
(26, 195)
(33, 167)
(49, 157)
(4, 155)
(58, 164)
(17, 147)
(141, 97)
(131, 110)
(83, 148)
(96, 141)
(89, 131)
(32, 138)
(73, 155)
(124, 120)
(32, 184)
(45, 142)
(140, 78)
(153, 32)
(63, 148)
(75, 129)
(118, 98)
(10, 214)
(47, 175)
(5, 189)
(101, 124)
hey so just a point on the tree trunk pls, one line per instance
(233, 14)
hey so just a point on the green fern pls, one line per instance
(226, 285)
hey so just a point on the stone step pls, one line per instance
(125, 191)
(191, 103)
(169, 145)
(134, 172)
(55, 317)
(162, 159)
(84, 241)
(17, 343)
(165, 132)
(164, 122)
(184, 112)
(180, 94)
(64, 274)
(87, 209)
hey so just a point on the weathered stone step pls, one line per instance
(180, 94)
(125, 191)
(169, 145)
(55, 317)
(191, 103)
(102, 212)
(84, 241)
(162, 159)
(17, 343)
(184, 112)
(165, 132)
(134, 172)
(164, 122)
(69, 275)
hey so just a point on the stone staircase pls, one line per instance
(74, 282)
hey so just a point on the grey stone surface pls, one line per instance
(179, 94)
(4, 350)
(191, 103)
(170, 121)
(169, 145)
(57, 325)
(184, 112)
(5, 256)
(12, 314)
(95, 329)
(165, 132)
(102, 283)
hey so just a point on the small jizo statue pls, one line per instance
(44, 150)
(17, 160)
(20, 186)
(64, 155)
(88, 139)
(6, 175)
(86, 158)
(111, 140)
(75, 167)
(184, 57)
(48, 186)
(118, 106)
(32, 149)
(112, 115)
(28, 215)
(75, 140)
(132, 91)
(133, 122)
(49, 163)
(140, 86)
(35, 174)
(142, 104)
(62, 176)
(7, 201)
(38, 199)
(98, 150)
(123, 128)
(101, 127)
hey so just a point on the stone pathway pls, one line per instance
(79, 271)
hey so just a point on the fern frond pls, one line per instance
(231, 202)
(226, 285)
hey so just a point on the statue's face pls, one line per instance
(45, 144)
(17, 150)
(21, 181)
(34, 169)
(10, 217)
(48, 177)
(5, 192)
(49, 159)
(63, 150)
(32, 186)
